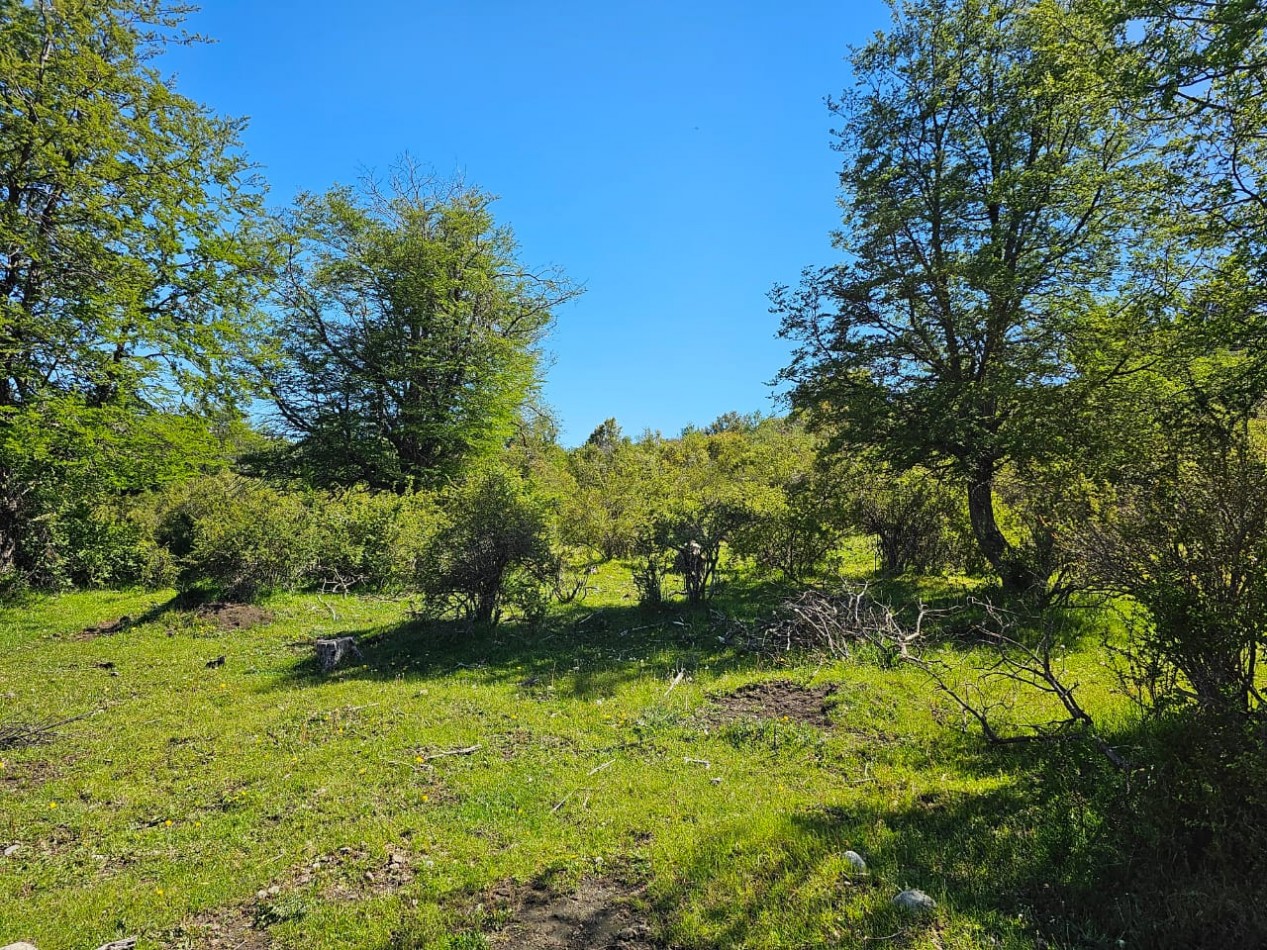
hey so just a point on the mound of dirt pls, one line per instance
(599, 913)
(776, 700)
(231, 616)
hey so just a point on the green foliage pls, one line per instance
(918, 523)
(131, 266)
(409, 331)
(237, 537)
(371, 540)
(65, 467)
(491, 550)
(792, 529)
(1190, 546)
(989, 186)
(242, 538)
(131, 262)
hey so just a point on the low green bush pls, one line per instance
(492, 549)
(237, 537)
(371, 540)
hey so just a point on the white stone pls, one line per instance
(332, 652)
(19, 946)
(855, 860)
(914, 900)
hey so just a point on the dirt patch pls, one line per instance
(108, 629)
(228, 929)
(776, 700)
(348, 874)
(598, 914)
(230, 616)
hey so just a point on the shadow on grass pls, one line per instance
(584, 653)
(1055, 849)
(1007, 866)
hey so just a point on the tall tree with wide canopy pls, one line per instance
(409, 329)
(129, 261)
(990, 189)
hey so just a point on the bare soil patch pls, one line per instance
(227, 929)
(778, 699)
(598, 914)
(348, 874)
(231, 616)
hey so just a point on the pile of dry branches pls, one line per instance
(1011, 655)
(823, 621)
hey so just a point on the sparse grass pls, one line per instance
(192, 788)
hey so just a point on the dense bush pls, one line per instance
(1190, 546)
(370, 540)
(491, 550)
(917, 521)
(241, 537)
(68, 475)
(237, 536)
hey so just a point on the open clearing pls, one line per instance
(612, 778)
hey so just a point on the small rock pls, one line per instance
(855, 860)
(274, 891)
(19, 946)
(915, 901)
(333, 651)
(10, 851)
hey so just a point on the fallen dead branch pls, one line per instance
(17, 735)
(977, 682)
(830, 621)
(1009, 660)
(468, 750)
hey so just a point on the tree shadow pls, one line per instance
(584, 653)
(1012, 861)
(1045, 844)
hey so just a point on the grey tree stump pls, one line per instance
(332, 652)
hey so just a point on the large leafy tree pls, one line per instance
(129, 263)
(126, 255)
(1199, 67)
(989, 188)
(410, 331)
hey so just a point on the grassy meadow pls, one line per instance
(417, 798)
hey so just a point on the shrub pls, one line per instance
(1191, 547)
(916, 521)
(237, 536)
(107, 547)
(491, 550)
(373, 540)
(794, 535)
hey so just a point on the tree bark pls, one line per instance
(1017, 577)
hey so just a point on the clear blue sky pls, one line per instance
(672, 156)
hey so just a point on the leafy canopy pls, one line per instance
(409, 329)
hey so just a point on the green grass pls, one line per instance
(187, 789)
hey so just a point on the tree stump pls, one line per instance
(332, 652)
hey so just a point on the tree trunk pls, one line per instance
(10, 511)
(1017, 577)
